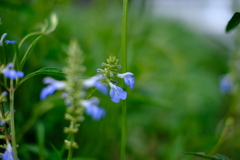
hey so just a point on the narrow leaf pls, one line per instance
(200, 154)
(234, 21)
(29, 50)
(221, 157)
(203, 155)
(57, 152)
(47, 70)
(16, 60)
(53, 23)
(27, 36)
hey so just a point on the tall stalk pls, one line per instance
(124, 62)
(13, 135)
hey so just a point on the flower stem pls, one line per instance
(70, 149)
(14, 144)
(124, 63)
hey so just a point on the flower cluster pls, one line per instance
(90, 105)
(11, 73)
(74, 88)
(109, 73)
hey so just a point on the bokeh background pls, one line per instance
(176, 105)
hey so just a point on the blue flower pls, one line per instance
(8, 154)
(117, 93)
(93, 109)
(101, 87)
(2, 123)
(2, 38)
(128, 78)
(11, 73)
(12, 42)
(226, 84)
(53, 85)
(94, 82)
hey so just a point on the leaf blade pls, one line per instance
(233, 22)
(46, 70)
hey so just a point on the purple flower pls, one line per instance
(92, 108)
(11, 73)
(117, 93)
(12, 42)
(4, 93)
(128, 78)
(2, 123)
(8, 154)
(226, 84)
(53, 85)
(2, 38)
(94, 82)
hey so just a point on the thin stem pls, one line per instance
(124, 62)
(70, 150)
(14, 144)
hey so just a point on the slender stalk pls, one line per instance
(14, 144)
(124, 62)
(70, 150)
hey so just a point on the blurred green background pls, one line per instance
(176, 105)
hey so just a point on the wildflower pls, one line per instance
(128, 78)
(94, 82)
(2, 123)
(53, 85)
(225, 84)
(11, 73)
(117, 93)
(2, 38)
(12, 42)
(8, 154)
(92, 108)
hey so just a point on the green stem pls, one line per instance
(124, 62)
(70, 150)
(14, 144)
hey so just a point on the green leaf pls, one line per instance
(41, 140)
(29, 50)
(221, 157)
(234, 21)
(203, 155)
(57, 152)
(46, 70)
(53, 23)
(27, 36)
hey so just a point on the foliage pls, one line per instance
(176, 104)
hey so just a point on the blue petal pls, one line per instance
(115, 99)
(95, 112)
(8, 154)
(49, 90)
(13, 74)
(12, 42)
(225, 84)
(129, 80)
(101, 87)
(117, 94)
